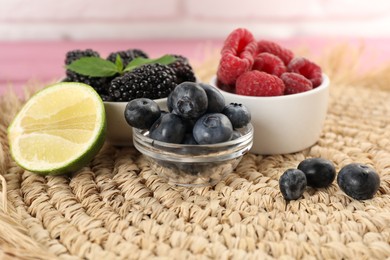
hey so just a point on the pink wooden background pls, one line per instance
(135, 19)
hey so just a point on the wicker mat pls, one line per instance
(117, 208)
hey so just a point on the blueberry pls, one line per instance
(169, 103)
(142, 113)
(358, 181)
(292, 184)
(216, 101)
(189, 122)
(168, 128)
(189, 139)
(320, 173)
(188, 100)
(236, 134)
(238, 114)
(212, 128)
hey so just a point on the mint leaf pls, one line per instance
(119, 63)
(164, 60)
(93, 67)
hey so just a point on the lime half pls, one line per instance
(59, 130)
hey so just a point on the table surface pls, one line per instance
(42, 62)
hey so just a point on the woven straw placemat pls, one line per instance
(117, 208)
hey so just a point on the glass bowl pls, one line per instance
(119, 132)
(193, 165)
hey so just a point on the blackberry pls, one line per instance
(77, 54)
(183, 69)
(151, 81)
(127, 55)
(100, 84)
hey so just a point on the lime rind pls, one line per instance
(78, 160)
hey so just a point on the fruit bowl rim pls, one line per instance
(249, 129)
(324, 85)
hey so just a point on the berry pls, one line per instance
(152, 81)
(100, 84)
(358, 181)
(319, 172)
(284, 54)
(142, 113)
(258, 83)
(216, 101)
(183, 69)
(188, 100)
(169, 102)
(237, 56)
(189, 122)
(127, 56)
(189, 139)
(269, 63)
(168, 128)
(235, 135)
(306, 68)
(292, 184)
(212, 128)
(73, 55)
(238, 114)
(295, 83)
(106, 98)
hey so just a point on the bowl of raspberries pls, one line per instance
(123, 76)
(287, 95)
(197, 141)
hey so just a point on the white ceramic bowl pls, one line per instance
(119, 133)
(285, 124)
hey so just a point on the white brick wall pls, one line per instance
(136, 19)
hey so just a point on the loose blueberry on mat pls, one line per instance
(358, 181)
(188, 100)
(216, 101)
(212, 128)
(168, 128)
(238, 114)
(319, 172)
(142, 113)
(292, 184)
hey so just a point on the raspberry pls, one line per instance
(269, 63)
(295, 83)
(284, 54)
(258, 83)
(237, 56)
(306, 68)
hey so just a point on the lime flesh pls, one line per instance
(59, 130)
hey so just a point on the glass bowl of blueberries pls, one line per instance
(197, 141)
